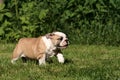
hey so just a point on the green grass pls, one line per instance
(83, 62)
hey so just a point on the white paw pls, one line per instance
(60, 58)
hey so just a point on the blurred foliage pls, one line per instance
(84, 21)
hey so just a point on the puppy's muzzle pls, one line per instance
(64, 43)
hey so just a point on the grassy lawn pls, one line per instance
(83, 62)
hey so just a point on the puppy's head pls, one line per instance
(59, 39)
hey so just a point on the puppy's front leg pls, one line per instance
(60, 58)
(41, 59)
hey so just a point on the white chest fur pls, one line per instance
(50, 47)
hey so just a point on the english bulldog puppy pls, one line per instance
(41, 48)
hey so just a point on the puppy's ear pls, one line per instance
(49, 35)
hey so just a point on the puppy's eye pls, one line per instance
(60, 38)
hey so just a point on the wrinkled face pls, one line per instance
(59, 39)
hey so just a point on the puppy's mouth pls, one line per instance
(63, 47)
(63, 44)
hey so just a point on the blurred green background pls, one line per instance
(84, 21)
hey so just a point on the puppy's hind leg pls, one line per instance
(16, 54)
(13, 60)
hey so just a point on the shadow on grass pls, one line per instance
(25, 60)
(68, 61)
(49, 61)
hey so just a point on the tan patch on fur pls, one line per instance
(30, 47)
